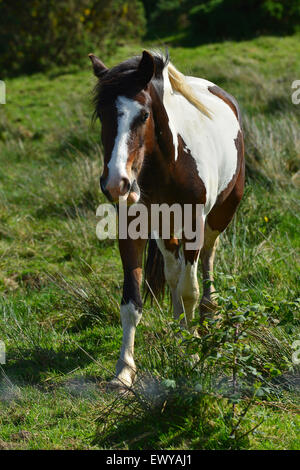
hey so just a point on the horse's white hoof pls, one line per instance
(116, 385)
(125, 376)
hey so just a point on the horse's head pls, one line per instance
(123, 104)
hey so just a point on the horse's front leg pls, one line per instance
(131, 308)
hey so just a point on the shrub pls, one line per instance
(223, 19)
(37, 33)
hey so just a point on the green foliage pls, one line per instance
(37, 33)
(201, 389)
(222, 19)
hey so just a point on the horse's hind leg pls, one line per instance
(216, 222)
(207, 255)
(181, 276)
(172, 267)
(188, 288)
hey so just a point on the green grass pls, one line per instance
(61, 287)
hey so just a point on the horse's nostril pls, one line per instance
(124, 186)
(115, 190)
(106, 193)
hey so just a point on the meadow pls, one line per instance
(61, 287)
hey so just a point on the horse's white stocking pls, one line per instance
(126, 370)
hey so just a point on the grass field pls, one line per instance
(61, 287)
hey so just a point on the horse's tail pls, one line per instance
(154, 285)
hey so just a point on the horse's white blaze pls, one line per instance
(210, 141)
(127, 110)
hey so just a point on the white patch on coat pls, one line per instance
(127, 110)
(182, 280)
(210, 141)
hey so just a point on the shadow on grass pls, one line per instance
(35, 363)
(179, 422)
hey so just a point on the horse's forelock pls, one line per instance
(123, 79)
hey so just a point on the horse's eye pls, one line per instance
(145, 117)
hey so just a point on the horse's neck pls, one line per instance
(164, 138)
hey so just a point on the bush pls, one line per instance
(38, 33)
(223, 19)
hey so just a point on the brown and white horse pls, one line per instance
(167, 138)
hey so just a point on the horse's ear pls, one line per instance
(146, 68)
(98, 66)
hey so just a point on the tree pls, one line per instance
(37, 33)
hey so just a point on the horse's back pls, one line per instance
(227, 201)
(212, 142)
(204, 87)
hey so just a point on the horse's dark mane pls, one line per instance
(123, 80)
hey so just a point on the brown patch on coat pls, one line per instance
(187, 177)
(154, 272)
(190, 256)
(239, 143)
(173, 246)
(163, 134)
(228, 99)
(131, 252)
(228, 201)
(109, 119)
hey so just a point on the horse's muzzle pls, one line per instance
(134, 193)
(122, 191)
